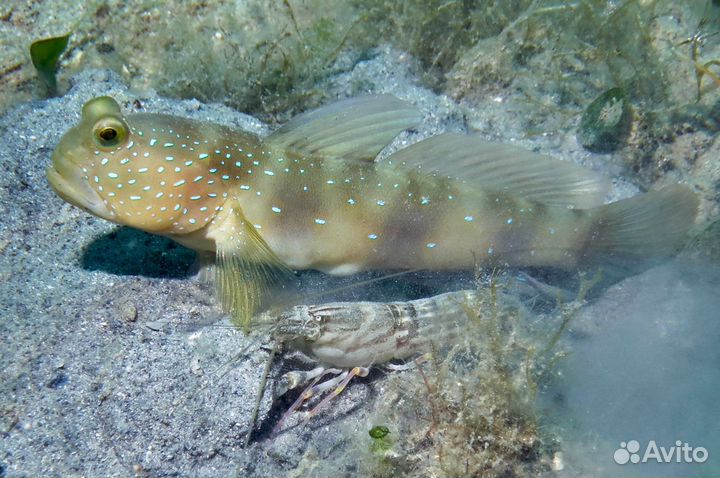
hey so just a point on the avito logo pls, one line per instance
(680, 453)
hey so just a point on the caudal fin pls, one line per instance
(641, 231)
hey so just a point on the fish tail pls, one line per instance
(640, 231)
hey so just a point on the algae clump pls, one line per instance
(606, 122)
(473, 409)
(45, 55)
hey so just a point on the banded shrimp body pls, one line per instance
(440, 366)
(329, 344)
(346, 339)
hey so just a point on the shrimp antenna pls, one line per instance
(293, 298)
(261, 391)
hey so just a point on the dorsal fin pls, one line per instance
(505, 168)
(356, 128)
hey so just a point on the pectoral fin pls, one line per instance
(357, 128)
(245, 266)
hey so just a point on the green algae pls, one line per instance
(381, 441)
(606, 122)
(268, 59)
(273, 59)
(45, 55)
(570, 45)
(378, 432)
(439, 32)
(472, 410)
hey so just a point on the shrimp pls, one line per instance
(346, 339)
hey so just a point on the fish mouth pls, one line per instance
(69, 182)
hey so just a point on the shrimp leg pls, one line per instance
(347, 376)
(296, 378)
(310, 391)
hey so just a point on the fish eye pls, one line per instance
(109, 132)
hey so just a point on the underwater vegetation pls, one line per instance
(606, 122)
(471, 410)
(271, 58)
(45, 55)
(544, 60)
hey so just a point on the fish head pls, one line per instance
(73, 159)
(116, 168)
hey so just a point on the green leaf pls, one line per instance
(45, 55)
(378, 432)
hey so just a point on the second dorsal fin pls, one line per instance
(505, 168)
(356, 128)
